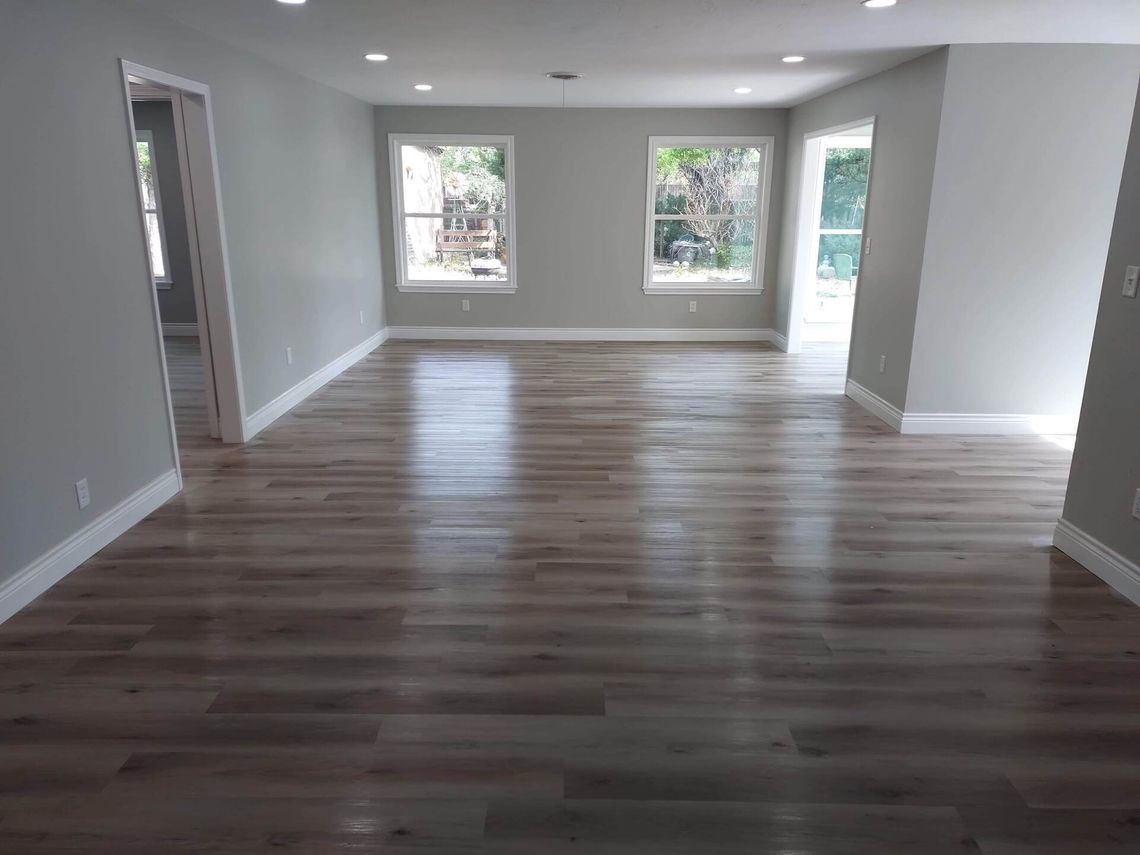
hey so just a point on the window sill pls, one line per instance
(697, 288)
(456, 287)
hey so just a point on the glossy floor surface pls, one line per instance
(606, 599)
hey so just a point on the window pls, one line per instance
(707, 214)
(453, 209)
(152, 207)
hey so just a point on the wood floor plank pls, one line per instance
(621, 599)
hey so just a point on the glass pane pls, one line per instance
(146, 174)
(454, 179)
(709, 180)
(845, 188)
(472, 248)
(703, 251)
(154, 241)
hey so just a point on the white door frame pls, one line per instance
(807, 221)
(213, 293)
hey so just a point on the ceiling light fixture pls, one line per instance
(564, 76)
(422, 87)
(376, 57)
(879, 4)
(292, 2)
(742, 90)
(791, 59)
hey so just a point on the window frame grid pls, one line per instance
(404, 283)
(164, 282)
(755, 285)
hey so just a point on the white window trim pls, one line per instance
(763, 199)
(162, 283)
(403, 282)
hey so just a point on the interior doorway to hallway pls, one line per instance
(170, 130)
(835, 187)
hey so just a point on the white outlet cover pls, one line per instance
(82, 493)
(693, 306)
(1136, 505)
(1131, 278)
(289, 355)
(466, 305)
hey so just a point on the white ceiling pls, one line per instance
(632, 52)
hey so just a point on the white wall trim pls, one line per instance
(287, 400)
(180, 330)
(53, 565)
(580, 334)
(877, 406)
(993, 424)
(780, 340)
(1117, 571)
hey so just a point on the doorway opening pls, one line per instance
(834, 191)
(172, 146)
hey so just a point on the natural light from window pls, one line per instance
(152, 207)
(707, 202)
(453, 210)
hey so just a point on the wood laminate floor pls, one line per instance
(588, 598)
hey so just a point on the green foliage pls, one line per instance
(480, 171)
(845, 188)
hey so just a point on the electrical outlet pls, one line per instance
(362, 318)
(1136, 505)
(883, 364)
(692, 306)
(1131, 278)
(466, 305)
(288, 356)
(82, 493)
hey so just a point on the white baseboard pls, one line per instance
(1117, 571)
(49, 568)
(287, 400)
(994, 424)
(179, 330)
(868, 400)
(780, 340)
(581, 334)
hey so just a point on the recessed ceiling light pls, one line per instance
(376, 57)
(292, 2)
(742, 90)
(879, 4)
(793, 59)
(422, 87)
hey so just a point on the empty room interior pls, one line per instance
(540, 427)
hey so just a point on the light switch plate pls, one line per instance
(692, 306)
(82, 493)
(1131, 279)
(1136, 505)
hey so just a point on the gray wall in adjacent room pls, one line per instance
(83, 393)
(580, 193)
(1029, 161)
(907, 101)
(176, 303)
(1106, 465)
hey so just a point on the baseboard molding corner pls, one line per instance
(580, 334)
(53, 565)
(287, 400)
(780, 340)
(882, 409)
(1110, 566)
(987, 424)
(180, 330)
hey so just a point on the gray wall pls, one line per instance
(1029, 161)
(1106, 464)
(580, 191)
(907, 101)
(82, 389)
(176, 303)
